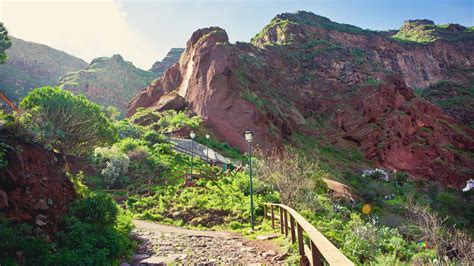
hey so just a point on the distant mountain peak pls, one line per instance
(118, 58)
(31, 65)
(109, 81)
(286, 26)
(426, 31)
(171, 58)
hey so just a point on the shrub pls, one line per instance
(95, 233)
(97, 208)
(126, 129)
(153, 137)
(14, 239)
(60, 120)
(167, 121)
(448, 242)
(129, 144)
(234, 225)
(112, 164)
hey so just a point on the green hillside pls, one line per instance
(31, 65)
(109, 81)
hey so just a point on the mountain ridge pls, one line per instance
(31, 65)
(339, 94)
(109, 81)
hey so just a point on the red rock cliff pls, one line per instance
(33, 187)
(308, 80)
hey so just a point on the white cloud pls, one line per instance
(85, 28)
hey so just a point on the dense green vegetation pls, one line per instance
(144, 166)
(5, 43)
(164, 122)
(390, 197)
(425, 31)
(95, 233)
(62, 121)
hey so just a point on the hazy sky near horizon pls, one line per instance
(143, 31)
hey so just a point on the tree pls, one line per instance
(5, 43)
(71, 124)
(296, 177)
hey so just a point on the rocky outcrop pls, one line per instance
(405, 133)
(33, 186)
(171, 58)
(109, 81)
(328, 88)
(426, 31)
(206, 77)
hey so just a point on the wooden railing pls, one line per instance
(320, 250)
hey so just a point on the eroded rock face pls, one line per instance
(405, 133)
(33, 187)
(327, 84)
(206, 78)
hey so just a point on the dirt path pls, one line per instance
(162, 244)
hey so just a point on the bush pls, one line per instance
(447, 241)
(14, 239)
(129, 144)
(98, 208)
(125, 129)
(166, 121)
(112, 164)
(62, 121)
(153, 137)
(95, 233)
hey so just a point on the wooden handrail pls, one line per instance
(9, 102)
(320, 249)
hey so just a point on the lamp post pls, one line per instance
(207, 148)
(192, 135)
(249, 137)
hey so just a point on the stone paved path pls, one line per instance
(162, 244)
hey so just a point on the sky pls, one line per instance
(143, 31)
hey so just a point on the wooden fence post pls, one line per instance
(281, 220)
(292, 228)
(301, 244)
(273, 217)
(316, 255)
(286, 222)
(264, 211)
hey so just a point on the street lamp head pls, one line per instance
(192, 134)
(248, 136)
(207, 136)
